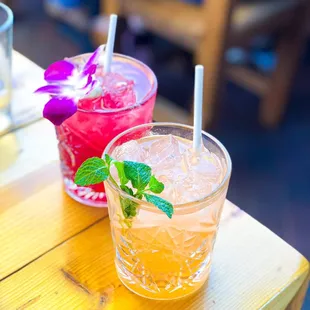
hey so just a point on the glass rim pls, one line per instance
(184, 206)
(9, 21)
(139, 103)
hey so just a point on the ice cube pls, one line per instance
(193, 188)
(203, 176)
(189, 177)
(163, 151)
(130, 150)
(186, 176)
(118, 92)
(205, 165)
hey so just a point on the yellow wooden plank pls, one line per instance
(36, 215)
(252, 269)
(299, 298)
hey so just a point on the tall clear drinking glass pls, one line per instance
(158, 257)
(6, 32)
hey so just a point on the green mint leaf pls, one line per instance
(138, 195)
(138, 173)
(121, 172)
(155, 186)
(129, 207)
(127, 189)
(92, 171)
(108, 159)
(161, 204)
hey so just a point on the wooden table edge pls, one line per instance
(298, 299)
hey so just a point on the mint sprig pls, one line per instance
(121, 173)
(96, 170)
(138, 173)
(160, 203)
(155, 186)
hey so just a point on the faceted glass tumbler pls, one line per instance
(157, 257)
(86, 133)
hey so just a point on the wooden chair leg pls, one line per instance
(210, 53)
(110, 7)
(289, 50)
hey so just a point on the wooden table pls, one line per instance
(57, 254)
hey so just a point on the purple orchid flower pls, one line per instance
(67, 83)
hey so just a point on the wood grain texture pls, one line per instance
(35, 214)
(58, 254)
(299, 298)
(252, 269)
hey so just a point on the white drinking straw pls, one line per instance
(198, 98)
(110, 43)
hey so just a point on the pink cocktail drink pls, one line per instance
(127, 99)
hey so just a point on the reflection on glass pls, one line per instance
(6, 29)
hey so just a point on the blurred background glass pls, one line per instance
(6, 24)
